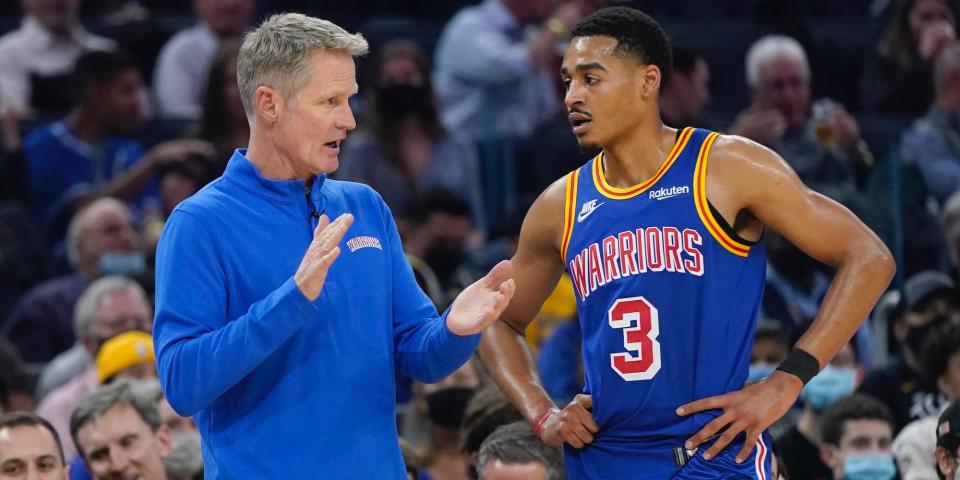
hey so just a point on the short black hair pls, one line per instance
(98, 67)
(857, 406)
(24, 419)
(942, 343)
(637, 34)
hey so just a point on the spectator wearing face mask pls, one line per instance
(799, 447)
(929, 299)
(445, 402)
(101, 240)
(857, 431)
(405, 148)
(915, 446)
(437, 230)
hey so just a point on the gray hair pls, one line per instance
(80, 221)
(148, 388)
(88, 305)
(185, 461)
(106, 397)
(772, 47)
(276, 53)
(517, 443)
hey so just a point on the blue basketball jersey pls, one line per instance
(668, 303)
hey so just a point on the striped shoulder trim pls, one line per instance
(700, 199)
(615, 193)
(569, 212)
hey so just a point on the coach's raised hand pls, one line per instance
(574, 424)
(482, 302)
(321, 253)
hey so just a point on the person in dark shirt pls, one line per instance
(929, 299)
(799, 448)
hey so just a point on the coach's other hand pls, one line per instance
(574, 424)
(321, 253)
(482, 302)
(750, 410)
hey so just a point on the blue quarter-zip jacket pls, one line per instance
(282, 387)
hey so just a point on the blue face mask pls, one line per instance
(869, 467)
(831, 384)
(128, 264)
(760, 370)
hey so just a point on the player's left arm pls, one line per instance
(751, 177)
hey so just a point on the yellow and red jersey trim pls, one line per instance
(703, 210)
(615, 193)
(569, 212)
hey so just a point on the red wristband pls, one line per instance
(543, 419)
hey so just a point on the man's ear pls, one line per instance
(650, 79)
(164, 440)
(944, 460)
(268, 103)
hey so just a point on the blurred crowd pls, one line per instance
(114, 111)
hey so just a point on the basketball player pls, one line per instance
(660, 234)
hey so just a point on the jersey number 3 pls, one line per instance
(641, 326)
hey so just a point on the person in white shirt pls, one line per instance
(47, 44)
(916, 444)
(181, 71)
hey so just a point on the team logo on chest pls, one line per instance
(363, 241)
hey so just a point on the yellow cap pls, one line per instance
(124, 351)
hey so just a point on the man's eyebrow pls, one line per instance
(585, 67)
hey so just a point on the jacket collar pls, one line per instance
(242, 171)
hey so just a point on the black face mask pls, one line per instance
(446, 407)
(398, 101)
(917, 336)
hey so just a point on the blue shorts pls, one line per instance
(599, 461)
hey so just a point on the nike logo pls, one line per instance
(588, 208)
(664, 193)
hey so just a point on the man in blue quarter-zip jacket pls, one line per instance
(279, 331)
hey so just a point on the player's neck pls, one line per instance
(637, 156)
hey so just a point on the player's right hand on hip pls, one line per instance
(321, 253)
(574, 424)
